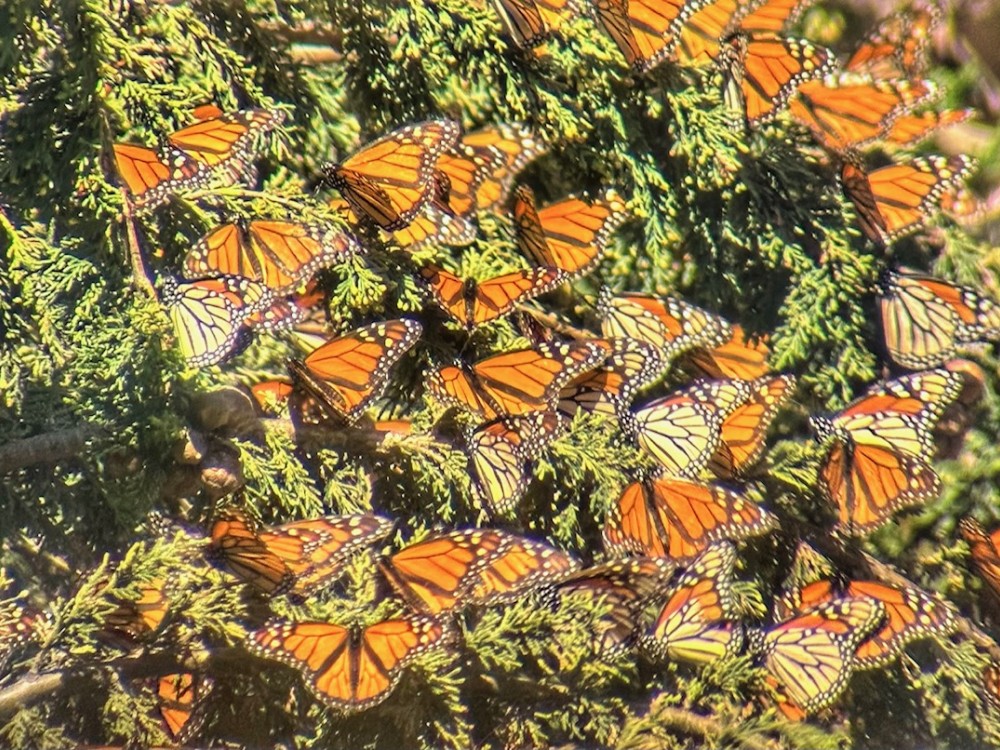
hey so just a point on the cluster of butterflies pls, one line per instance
(671, 531)
(666, 607)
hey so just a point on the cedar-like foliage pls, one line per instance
(114, 454)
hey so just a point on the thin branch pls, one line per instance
(48, 448)
(307, 32)
(140, 273)
(706, 728)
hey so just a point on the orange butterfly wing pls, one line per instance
(744, 431)
(763, 71)
(237, 546)
(150, 177)
(984, 552)
(853, 112)
(570, 234)
(347, 668)
(474, 303)
(316, 550)
(736, 358)
(348, 372)
(678, 519)
(391, 179)
(224, 138)
(518, 147)
(178, 696)
(278, 254)
(433, 575)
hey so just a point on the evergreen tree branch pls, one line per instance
(706, 728)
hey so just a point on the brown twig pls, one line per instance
(307, 32)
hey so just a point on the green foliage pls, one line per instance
(753, 227)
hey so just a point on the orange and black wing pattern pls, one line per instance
(473, 303)
(984, 550)
(390, 180)
(619, 589)
(897, 48)
(609, 389)
(481, 566)
(670, 325)
(811, 655)
(517, 382)
(683, 429)
(738, 357)
(150, 176)
(762, 72)
(852, 111)
(882, 443)
(925, 320)
(678, 519)
(210, 316)
(235, 545)
(178, 698)
(281, 255)
(226, 139)
(902, 197)
(347, 373)
(518, 147)
(349, 668)
(317, 549)
(645, 30)
(571, 234)
(695, 623)
(499, 456)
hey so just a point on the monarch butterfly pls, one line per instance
(238, 547)
(499, 452)
(735, 358)
(897, 48)
(671, 325)
(895, 200)
(467, 167)
(743, 432)
(618, 590)
(909, 130)
(210, 315)
(278, 254)
(150, 176)
(851, 111)
(390, 179)
(214, 148)
(911, 614)
(347, 373)
(473, 303)
(882, 442)
(811, 655)
(610, 388)
(570, 234)
(984, 549)
(317, 549)
(138, 618)
(925, 319)
(178, 697)
(676, 518)
(531, 22)
(682, 430)
(350, 668)
(695, 623)
(518, 146)
(762, 71)
(479, 566)
(517, 382)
